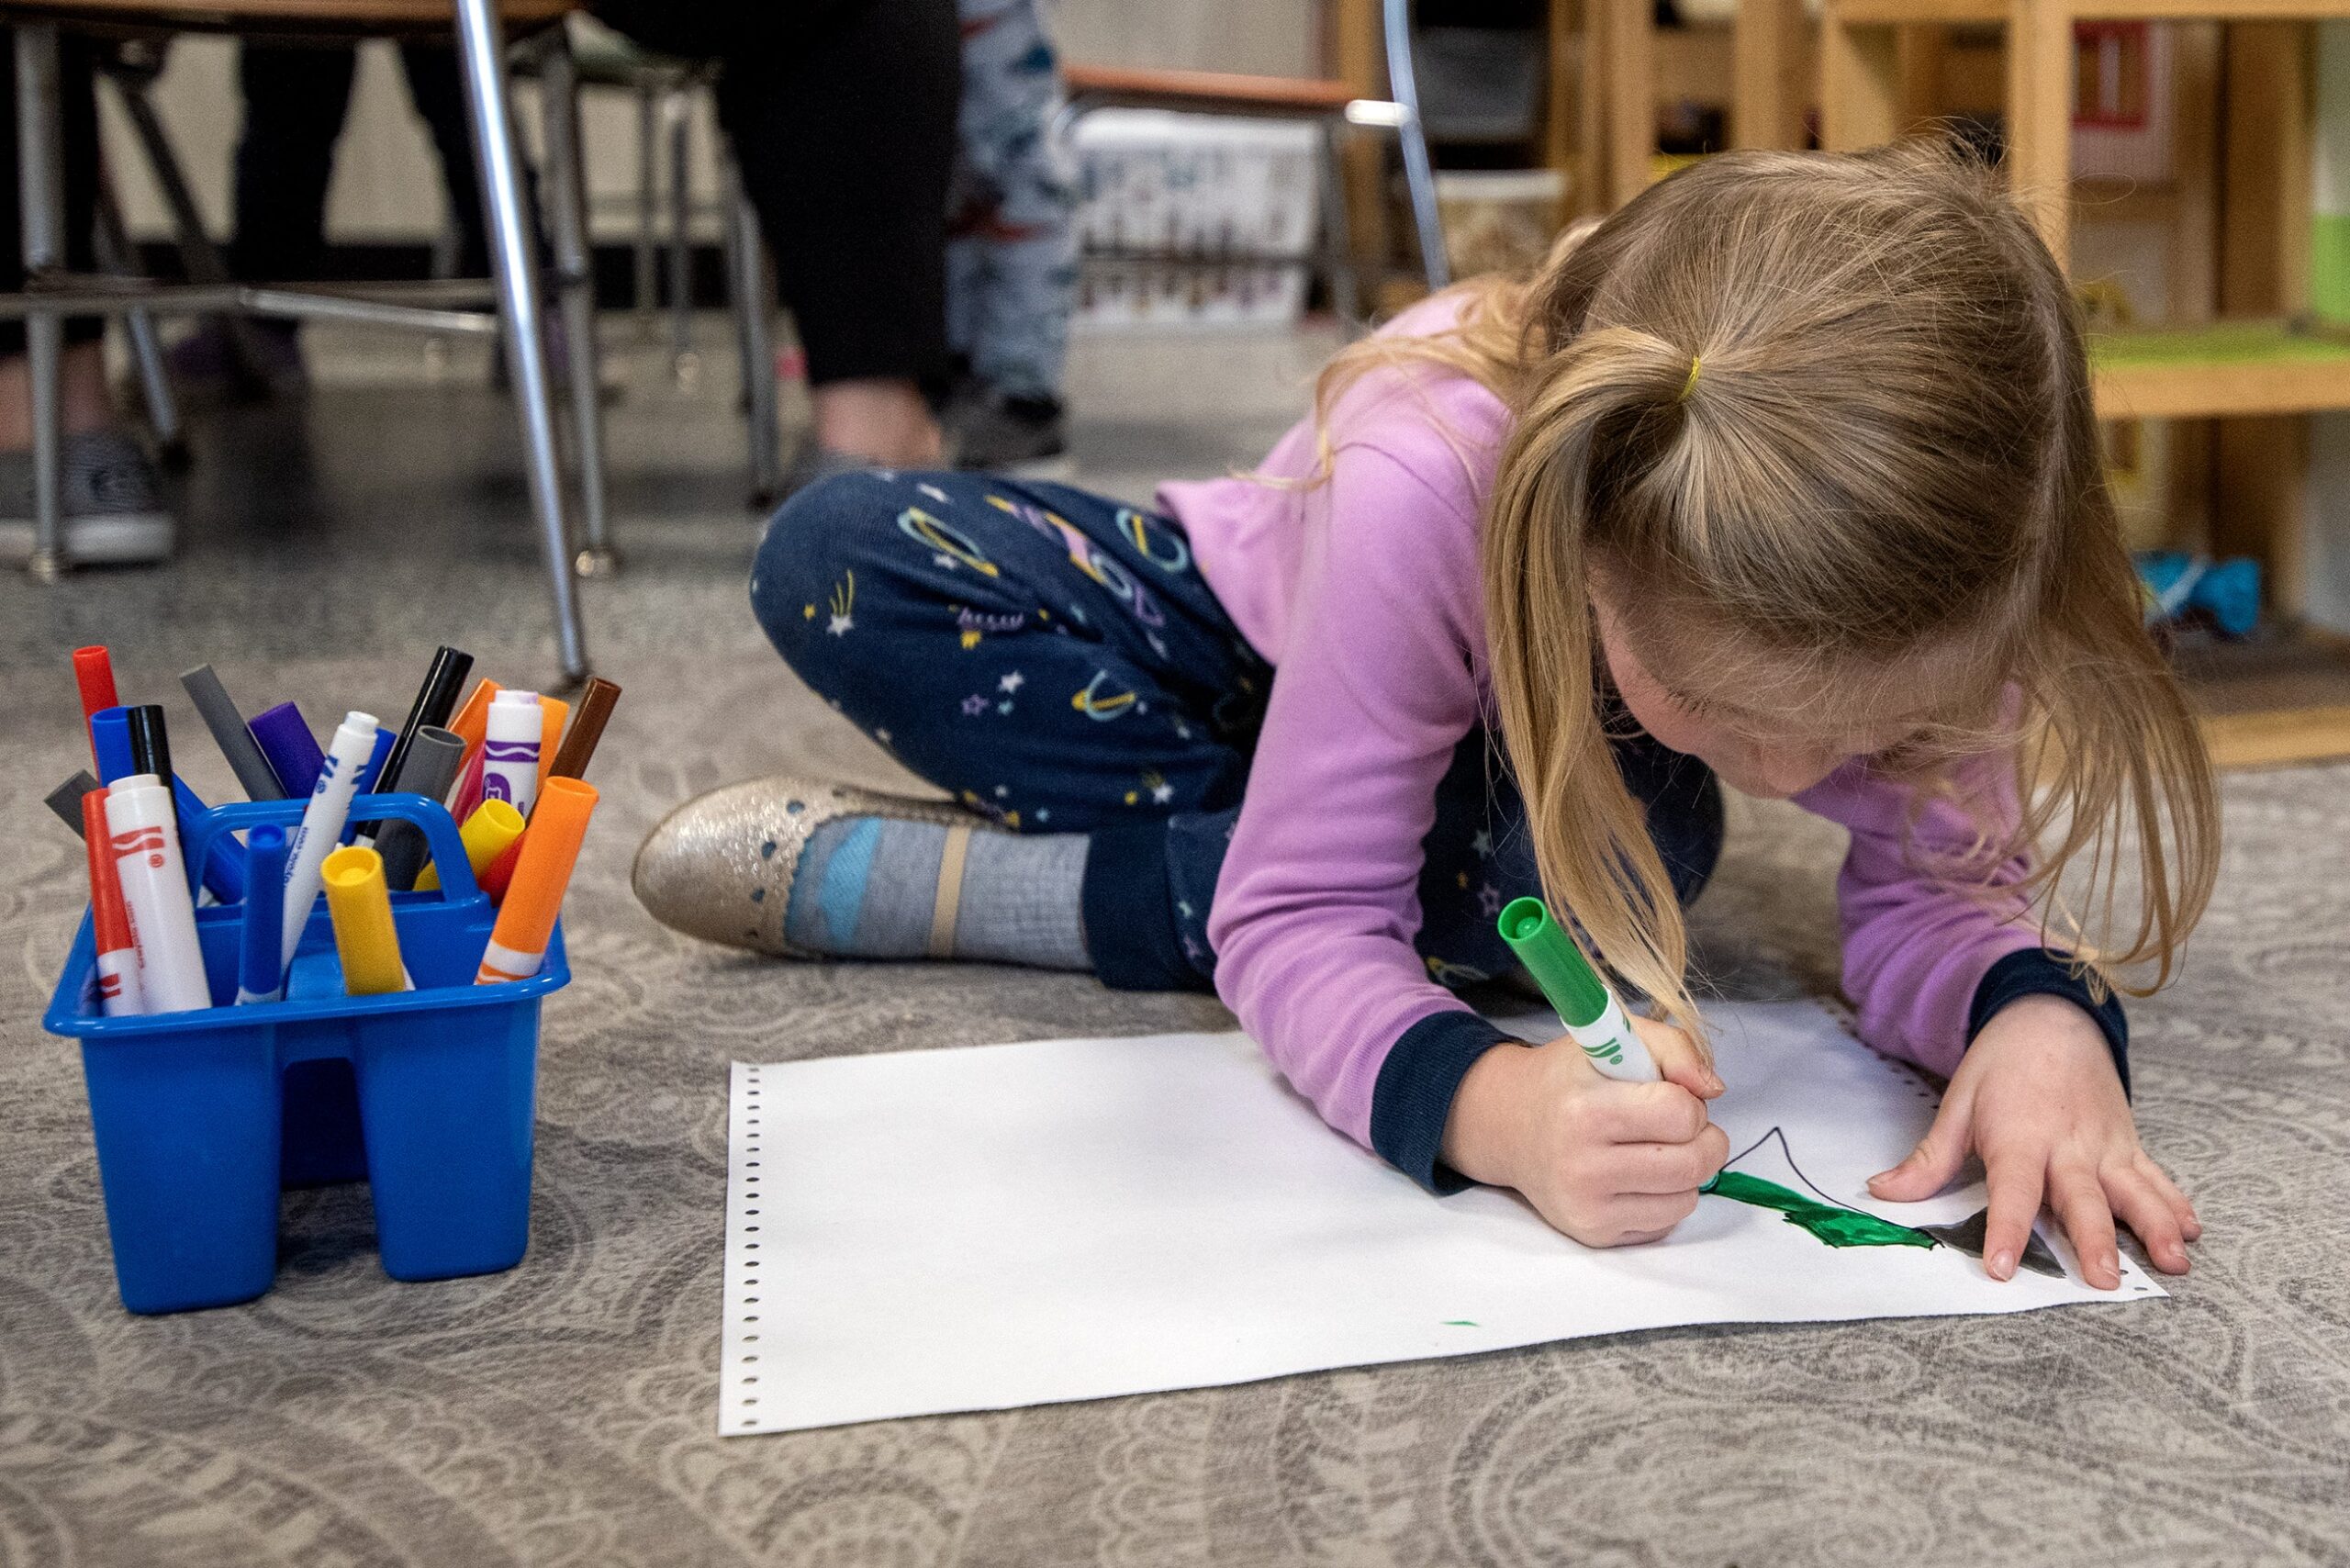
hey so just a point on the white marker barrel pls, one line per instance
(322, 821)
(119, 993)
(509, 749)
(143, 831)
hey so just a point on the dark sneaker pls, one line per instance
(114, 510)
(1024, 437)
(222, 361)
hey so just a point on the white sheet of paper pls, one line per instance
(1000, 1226)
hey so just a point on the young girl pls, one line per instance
(1787, 476)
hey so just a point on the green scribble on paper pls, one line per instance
(1836, 1226)
(1461, 1323)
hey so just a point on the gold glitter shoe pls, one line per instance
(720, 867)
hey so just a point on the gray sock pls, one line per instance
(867, 888)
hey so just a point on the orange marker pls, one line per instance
(553, 711)
(94, 673)
(518, 944)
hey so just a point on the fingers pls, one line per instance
(2190, 1226)
(1647, 1215)
(1652, 1113)
(1937, 1160)
(2147, 1211)
(2079, 1201)
(2014, 1204)
(1678, 1058)
(1658, 1168)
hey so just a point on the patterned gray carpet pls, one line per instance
(565, 1413)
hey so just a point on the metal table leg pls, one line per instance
(576, 281)
(648, 158)
(1419, 174)
(114, 256)
(746, 271)
(677, 106)
(41, 195)
(481, 57)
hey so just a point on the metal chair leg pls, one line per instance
(113, 247)
(576, 280)
(1419, 174)
(648, 207)
(481, 47)
(748, 283)
(40, 194)
(677, 106)
(1338, 243)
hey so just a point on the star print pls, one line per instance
(945, 560)
(1184, 908)
(1489, 900)
(1044, 815)
(1483, 843)
(1001, 790)
(1192, 951)
(1003, 706)
(1182, 731)
(808, 612)
(839, 625)
(1012, 682)
(975, 705)
(1161, 793)
(881, 735)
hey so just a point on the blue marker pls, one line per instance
(369, 772)
(260, 970)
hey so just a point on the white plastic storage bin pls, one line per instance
(1200, 188)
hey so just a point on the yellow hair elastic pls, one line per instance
(1691, 384)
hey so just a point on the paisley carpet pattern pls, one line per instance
(562, 1414)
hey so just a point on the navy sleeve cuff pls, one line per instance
(1414, 1096)
(2033, 971)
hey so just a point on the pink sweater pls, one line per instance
(1363, 592)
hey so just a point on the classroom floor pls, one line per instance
(565, 1413)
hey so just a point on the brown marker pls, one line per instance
(586, 728)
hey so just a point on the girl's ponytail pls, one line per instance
(1599, 396)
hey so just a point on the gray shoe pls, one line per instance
(113, 505)
(1027, 438)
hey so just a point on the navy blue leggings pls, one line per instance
(1055, 660)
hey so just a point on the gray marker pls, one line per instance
(430, 767)
(227, 726)
(66, 800)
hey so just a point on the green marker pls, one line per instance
(1595, 1019)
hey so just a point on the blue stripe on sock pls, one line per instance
(842, 897)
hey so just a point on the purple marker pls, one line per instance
(285, 738)
(509, 750)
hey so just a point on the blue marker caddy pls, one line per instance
(202, 1117)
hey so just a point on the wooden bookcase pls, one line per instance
(2239, 363)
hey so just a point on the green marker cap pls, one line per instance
(1557, 965)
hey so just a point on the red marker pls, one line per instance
(119, 993)
(94, 673)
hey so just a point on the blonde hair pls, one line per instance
(1891, 449)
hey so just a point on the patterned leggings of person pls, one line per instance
(1056, 661)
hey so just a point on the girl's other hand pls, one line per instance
(1608, 1163)
(2037, 1097)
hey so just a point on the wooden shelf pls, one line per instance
(1893, 12)
(2232, 369)
(2274, 702)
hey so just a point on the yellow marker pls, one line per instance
(486, 833)
(360, 907)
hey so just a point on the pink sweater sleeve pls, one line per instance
(1916, 951)
(1317, 908)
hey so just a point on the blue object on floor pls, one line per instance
(2179, 583)
(201, 1117)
